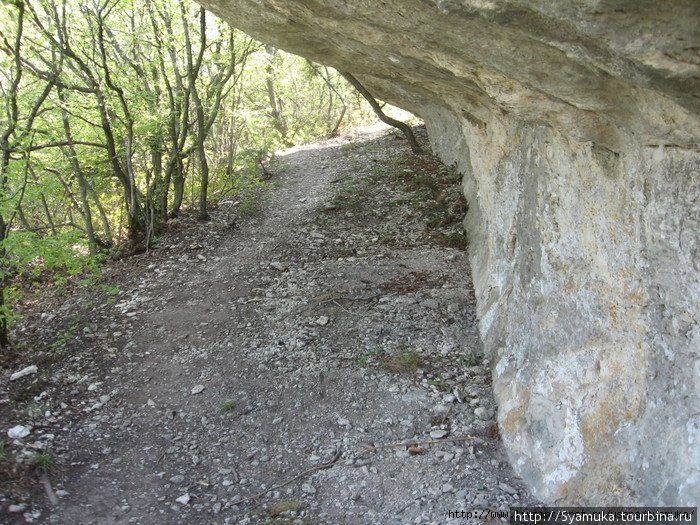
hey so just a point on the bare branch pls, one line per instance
(404, 128)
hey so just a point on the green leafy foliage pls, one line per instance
(228, 406)
(42, 461)
(403, 361)
(32, 256)
(115, 118)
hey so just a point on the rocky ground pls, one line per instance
(311, 357)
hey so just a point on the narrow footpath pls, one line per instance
(311, 357)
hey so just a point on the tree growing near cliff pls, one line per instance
(377, 108)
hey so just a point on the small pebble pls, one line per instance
(507, 488)
(197, 389)
(484, 413)
(18, 432)
(24, 372)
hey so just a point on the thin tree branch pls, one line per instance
(63, 143)
(404, 128)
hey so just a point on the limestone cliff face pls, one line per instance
(576, 126)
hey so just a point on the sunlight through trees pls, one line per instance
(120, 114)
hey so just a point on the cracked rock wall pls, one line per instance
(576, 126)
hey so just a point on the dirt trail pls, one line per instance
(328, 322)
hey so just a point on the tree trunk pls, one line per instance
(49, 218)
(159, 188)
(104, 219)
(77, 169)
(4, 309)
(403, 127)
(204, 182)
(178, 187)
(23, 219)
(275, 106)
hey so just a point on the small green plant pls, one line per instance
(456, 240)
(6, 312)
(439, 384)
(228, 406)
(283, 506)
(63, 339)
(111, 291)
(363, 360)
(248, 206)
(3, 451)
(404, 361)
(42, 460)
(156, 240)
(470, 360)
(36, 411)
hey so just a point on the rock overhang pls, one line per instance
(588, 67)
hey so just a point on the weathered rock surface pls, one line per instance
(576, 127)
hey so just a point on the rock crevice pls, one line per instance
(576, 127)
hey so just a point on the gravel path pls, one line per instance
(316, 363)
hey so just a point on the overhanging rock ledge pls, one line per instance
(576, 126)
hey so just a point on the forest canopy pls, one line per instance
(117, 115)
